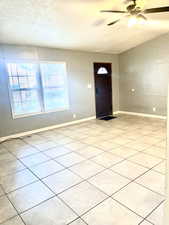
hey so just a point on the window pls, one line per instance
(54, 85)
(37, 88)
(102, 70)
(24, 88)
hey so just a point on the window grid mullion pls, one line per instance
(20, 93)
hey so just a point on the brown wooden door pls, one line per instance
(103, 89)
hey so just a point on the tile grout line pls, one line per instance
(57, 195)
(17, 212)
(105, 168)
(83, 161)
(20, 213)
(146, 218)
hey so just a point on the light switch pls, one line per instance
(89, 86)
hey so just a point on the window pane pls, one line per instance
(54, 86)
(23, 82)
(25, 102)
(24, 88)
(14, 82)
(102, 70)
(54, 98)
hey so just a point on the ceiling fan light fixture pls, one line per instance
(136, 19)
(132, 21)
(141, 19)
(141, 22)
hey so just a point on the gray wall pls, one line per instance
(80, 74)
(145, 69)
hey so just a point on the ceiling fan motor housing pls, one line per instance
(130, 8)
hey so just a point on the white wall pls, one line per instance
(145, 69)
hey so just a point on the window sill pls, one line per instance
(39, 113)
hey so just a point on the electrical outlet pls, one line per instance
(74, 116)
(154, 109)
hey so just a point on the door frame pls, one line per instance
(166, 208)
(95, 84)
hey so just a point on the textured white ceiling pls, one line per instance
(76, 24)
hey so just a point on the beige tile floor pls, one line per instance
(94, 173)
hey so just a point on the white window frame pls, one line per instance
(41, 101)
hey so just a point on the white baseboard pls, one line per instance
(27, 133)
(141, 114)
(76, 122)
(116, 112)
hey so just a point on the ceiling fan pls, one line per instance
(135, 12)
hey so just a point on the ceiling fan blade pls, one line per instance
(140, 16)
(113, 23)
(112, 11)
(157, 10)
(127, 1)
